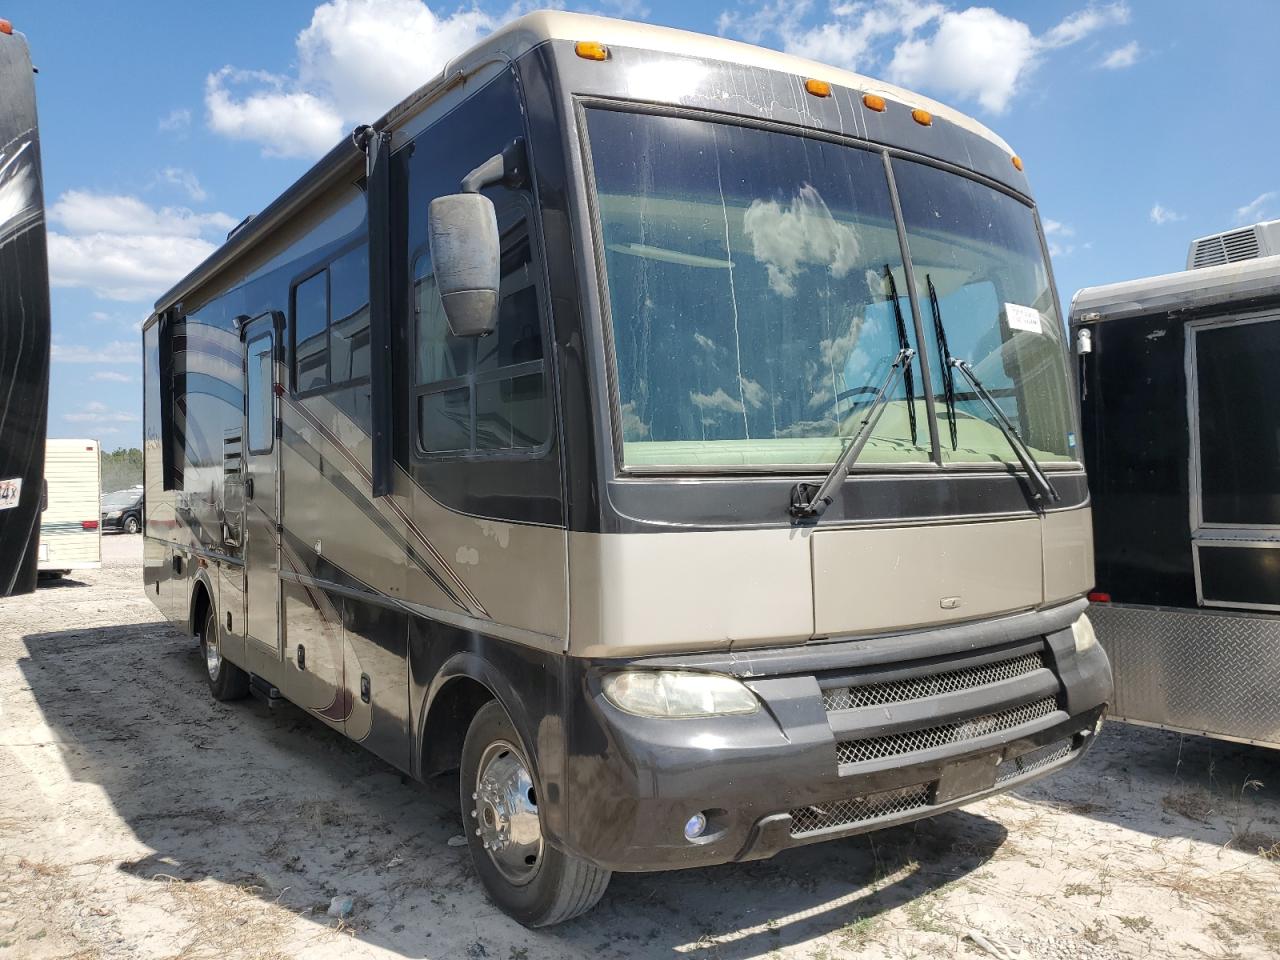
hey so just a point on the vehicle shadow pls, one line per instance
(1171, 785)
(59, 583)
(282, 809)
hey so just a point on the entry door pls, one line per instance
(261, 484)
(1234, 408)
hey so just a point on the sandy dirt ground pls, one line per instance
(139, 818)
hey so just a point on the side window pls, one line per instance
(331, 324)
(310, 318)
(349, 316)
(258, 394)
(487, 394)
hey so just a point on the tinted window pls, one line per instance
(349, 322)
(310, 317)
(487, 393)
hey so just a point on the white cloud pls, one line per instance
(99, 413)
(117, 352)
(1059, 237)
(175, 121)
(974, 53)
(1256, 209)
(122, 248)
(184, 179)
(110, 376)
(1161, 215)
(356, 59)
(1122, 57)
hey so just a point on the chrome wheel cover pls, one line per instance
(212, 652)
(505, 813)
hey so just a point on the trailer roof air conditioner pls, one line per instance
(1246, 243)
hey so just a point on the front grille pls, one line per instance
(844, 813)
(1033, 760)
(917, 688)
(892, 745)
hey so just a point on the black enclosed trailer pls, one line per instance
(24, 319)
(1180, 388)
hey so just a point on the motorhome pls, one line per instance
(671, 436)
(1182, 441)
(70, 530)
(24, 318)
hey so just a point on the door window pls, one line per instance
(258, 394)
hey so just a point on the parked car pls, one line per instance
(124, 510)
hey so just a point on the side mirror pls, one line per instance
(462, 229)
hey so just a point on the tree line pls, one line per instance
(121, 468)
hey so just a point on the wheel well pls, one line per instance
(447, 722)
(200, 605)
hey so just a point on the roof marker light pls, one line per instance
(819, 88)
(922, 117)
(591, 50)
(1017, 162)
(6, 26)
(873, 102)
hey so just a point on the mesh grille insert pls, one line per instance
(916, 688)
(874, 748)
(1033, 760)
(843, 813)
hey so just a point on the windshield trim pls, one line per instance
(936, 465)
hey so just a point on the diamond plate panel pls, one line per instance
(1211, 673)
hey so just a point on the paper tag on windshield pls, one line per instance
(1023, 318)
(10, 493)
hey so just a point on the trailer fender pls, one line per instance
(201, 583)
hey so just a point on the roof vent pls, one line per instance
(1247, 243)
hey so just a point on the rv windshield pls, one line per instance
(751, 281)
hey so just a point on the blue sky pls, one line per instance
(1143, 125)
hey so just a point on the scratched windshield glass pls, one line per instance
(751, 280)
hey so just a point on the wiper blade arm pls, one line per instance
(1029, 463)
(810, 502)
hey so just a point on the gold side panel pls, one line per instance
(651, 592)
(899, 578)
(1068, 554)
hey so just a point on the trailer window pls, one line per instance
(310, 317)
(331, 324)
(487, 394)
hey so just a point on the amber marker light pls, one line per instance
(1017, 163)
(819, 88)
(590, 50)
(6, 26)
(873, 102)
(922, 117)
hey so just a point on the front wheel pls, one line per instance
(226, 680)
(526, 877)
(131, 524)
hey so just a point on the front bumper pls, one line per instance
(853, 735)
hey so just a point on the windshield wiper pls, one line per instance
(908, 378)
(948, 377)
(1029, 462)
(811, 502)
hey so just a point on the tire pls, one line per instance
(536, 888)
(226, 680)
(131, 524)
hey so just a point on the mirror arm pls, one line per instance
(508, 168)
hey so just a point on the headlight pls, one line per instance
(113, 514)
(1082, 631)
(678, 693)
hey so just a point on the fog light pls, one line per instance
(695, 827)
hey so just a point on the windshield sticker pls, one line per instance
(1023, 318)
(10, 493)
